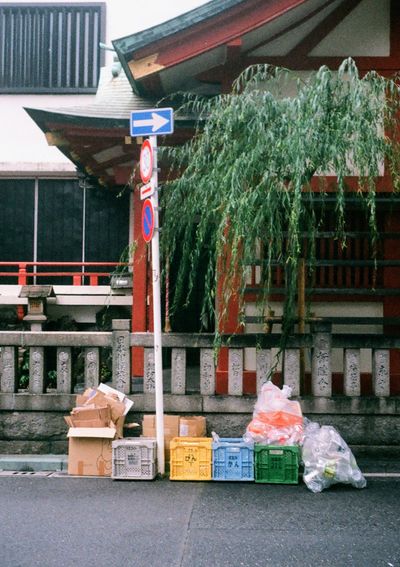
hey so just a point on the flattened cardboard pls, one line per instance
(101, 414)
(82, 423)
(92, 432)
(192, 426)
(112, 392)
(68, 420)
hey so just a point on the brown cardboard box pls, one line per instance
(102, 397)
(117, 409)
(90, 451)
(86, 413)
(171, 429)
(192, 426)
(97, 419)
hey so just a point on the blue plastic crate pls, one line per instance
(232, 459)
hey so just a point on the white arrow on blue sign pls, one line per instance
(152, 122)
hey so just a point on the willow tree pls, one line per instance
(246, 176)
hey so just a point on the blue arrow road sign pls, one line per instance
(153, 122)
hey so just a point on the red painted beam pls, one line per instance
(140, 283)
(221, 30)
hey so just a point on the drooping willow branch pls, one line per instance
(245, 177)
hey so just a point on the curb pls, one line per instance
(34, 463)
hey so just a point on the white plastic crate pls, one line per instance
(134, 458)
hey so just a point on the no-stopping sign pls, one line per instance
(147, 220)
(146, 161)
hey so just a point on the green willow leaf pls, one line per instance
(244, 180)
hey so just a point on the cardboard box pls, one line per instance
(102, 397)
(97, 419)
(101, 414)
(192, 426)
(171, 430)
(90, 451)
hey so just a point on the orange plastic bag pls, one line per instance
(276, 419)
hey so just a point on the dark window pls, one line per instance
(50, 47)
(60, 222)
(16, 223)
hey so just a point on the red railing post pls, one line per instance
(22, 274)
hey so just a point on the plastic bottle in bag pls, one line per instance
(328, 459)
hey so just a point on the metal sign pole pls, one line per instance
(151, 122)
(155, 254)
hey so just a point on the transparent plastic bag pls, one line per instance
(276, 419)
(327, 459)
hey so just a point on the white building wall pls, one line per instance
(23, 147)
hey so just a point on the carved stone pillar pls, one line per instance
(121, 355)
(36, 370)
(381, 372)
(263, 367)
(64, 370)
(235, 372)
(351, 364)
(321, 360)
(8, 367)
(92, 367)
(178, 371)
(149, 378)
(207, 372)
(292, 370)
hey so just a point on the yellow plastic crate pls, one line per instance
(191, 458)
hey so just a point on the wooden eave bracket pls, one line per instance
(56, 139)
(141, 68)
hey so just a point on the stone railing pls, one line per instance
(31, 419)
(202, 376)
(319, 344)
(90, 345)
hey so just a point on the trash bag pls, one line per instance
(327, 459)
(276, 419)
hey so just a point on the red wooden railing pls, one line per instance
(26, 271)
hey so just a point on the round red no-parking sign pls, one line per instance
(147, 220)
(146, 161)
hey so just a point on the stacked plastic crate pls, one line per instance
(134, 459)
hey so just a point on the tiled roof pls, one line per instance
(114, 100)
(112, 106)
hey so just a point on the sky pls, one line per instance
(144, 14)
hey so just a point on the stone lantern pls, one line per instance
(37, 301)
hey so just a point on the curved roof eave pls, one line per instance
(126, 45)
(130, 43)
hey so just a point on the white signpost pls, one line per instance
(149, 123)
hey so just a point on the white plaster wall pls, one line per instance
(23, 146)
(364, 32)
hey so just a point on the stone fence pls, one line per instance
(31, 418)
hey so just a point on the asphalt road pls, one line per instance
(71, 522)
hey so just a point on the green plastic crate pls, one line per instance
(276, 464)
